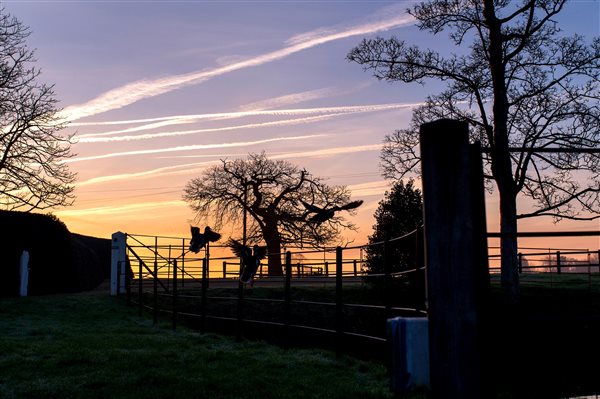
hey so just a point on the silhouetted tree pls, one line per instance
(399, 213)
(274, 194)
(520, 84)
(32, 174)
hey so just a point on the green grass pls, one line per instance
(93, 346)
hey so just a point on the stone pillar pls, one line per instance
(118, 263)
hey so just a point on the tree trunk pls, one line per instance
(273, 241)
(501, 161)
(509, 276)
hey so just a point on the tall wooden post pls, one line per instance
(456, 257)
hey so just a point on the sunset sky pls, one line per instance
(156, 91)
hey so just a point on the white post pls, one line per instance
(118, 263)
(24, 273)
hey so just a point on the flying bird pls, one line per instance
(200, 240)
(250, 258)
(323, 214)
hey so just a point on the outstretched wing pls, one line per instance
(210, 235)
(260, 253)
(311, 207)
(194, 230)
(351, 205)
(238, 248)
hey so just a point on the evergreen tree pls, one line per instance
(398, 214)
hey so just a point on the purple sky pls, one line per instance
(158, 90)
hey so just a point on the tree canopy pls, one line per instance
(278, 198)
(32, 149)
(523, 86)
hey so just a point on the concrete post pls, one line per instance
(118, 255)
(24, 273)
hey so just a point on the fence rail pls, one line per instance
(168, 280)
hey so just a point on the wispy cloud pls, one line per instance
(107, 137)
(112, 210)
(133, 92)
(189, 148)
(288, 99)
(158, 172)
(195, 167)
(153, 123)
(147, 136)
(370, 188)
(328, 152)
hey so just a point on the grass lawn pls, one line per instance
(93, 346)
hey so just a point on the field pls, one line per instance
(93, 346)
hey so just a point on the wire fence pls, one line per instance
(338, 297)
(329, 300)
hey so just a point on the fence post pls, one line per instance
(456, 258)
(182, 262)
(224, 269)
(127, 283)
(174, 294)
(287, 297)
(520, 258)
(207, 256)
(169, 267)
(558, 262)
(118, 254)
(339, 310)
(387, 279)
(155, 292)
(240, 311)
(204, 295)
(354, 264)
(140, 290)
(326, 269)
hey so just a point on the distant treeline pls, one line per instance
(60, 261)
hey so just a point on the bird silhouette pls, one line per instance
(250, 258)
(323, 214)
(199, 240)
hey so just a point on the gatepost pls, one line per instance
(456, 258)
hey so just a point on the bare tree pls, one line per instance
(276, 195)
(521, 84)
(32, 150)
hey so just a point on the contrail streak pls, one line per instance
(135, 91)
(208, 130)
(181, 119)
(107, 210)
(188, 148)
(167, 170)
(101, 137)
(193, 167)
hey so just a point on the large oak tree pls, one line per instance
(523, 86)
(272, 193)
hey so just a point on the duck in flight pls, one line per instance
(250, 258)
(199, 240)
(323, 214)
